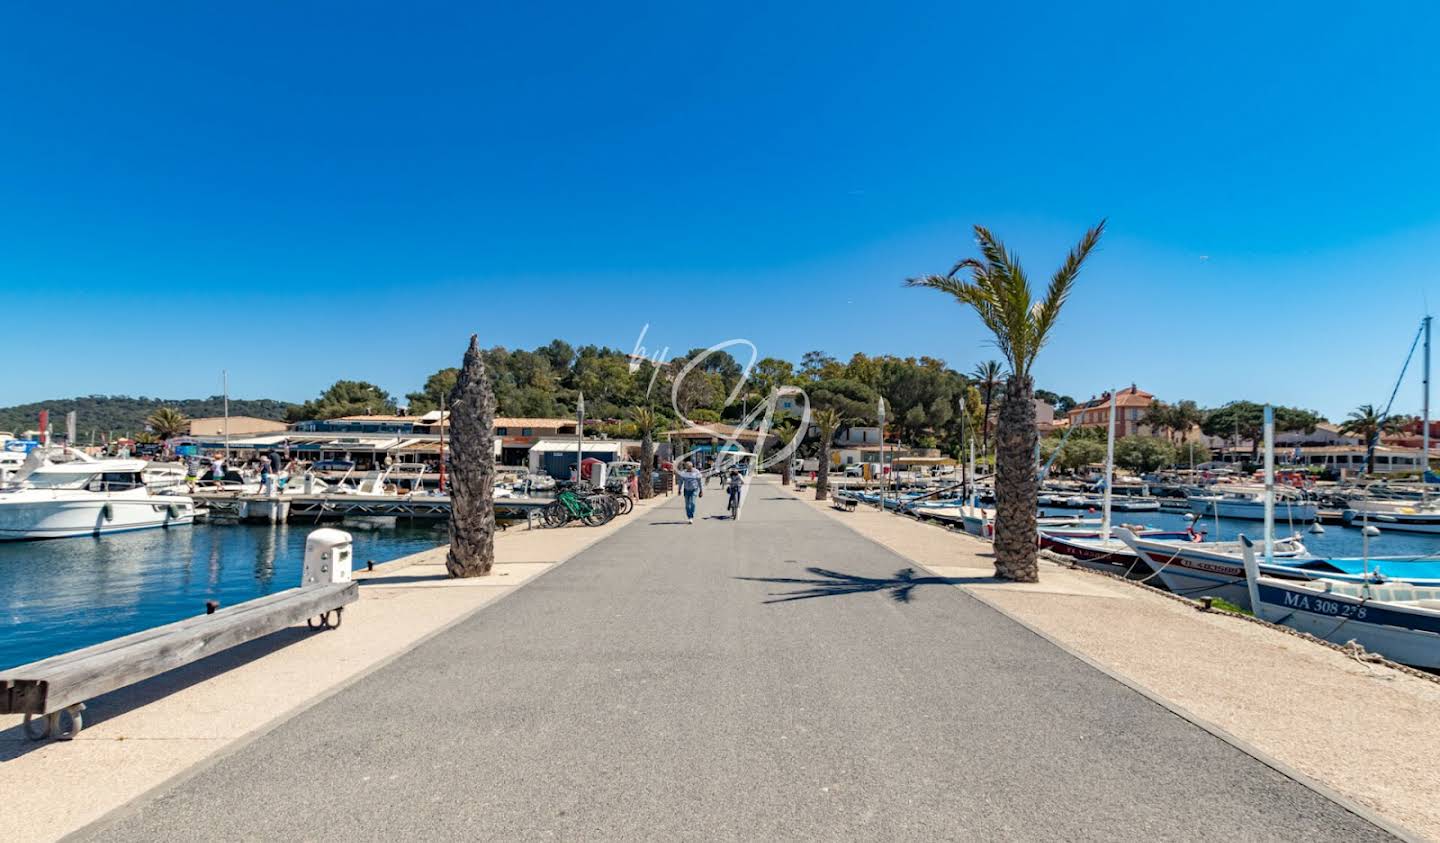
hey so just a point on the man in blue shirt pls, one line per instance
(692, 485)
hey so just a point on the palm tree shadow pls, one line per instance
(900, 587)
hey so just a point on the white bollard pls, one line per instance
(328, 557)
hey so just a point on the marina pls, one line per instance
(511, 423)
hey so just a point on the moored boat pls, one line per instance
(76, 495)
(1398, 621)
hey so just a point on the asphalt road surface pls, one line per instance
(779, 677)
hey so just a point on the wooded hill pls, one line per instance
(122, 415)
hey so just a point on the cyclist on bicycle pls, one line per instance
(733, 485)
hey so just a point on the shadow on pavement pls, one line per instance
(900, 587)
(668, 523)
(14, 744)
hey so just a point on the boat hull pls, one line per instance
(1407, 637)
(1427, 522)
(1252, 510)
(62, 516)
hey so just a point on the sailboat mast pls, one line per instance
(1109, 472)
(970, 475)
(1425, 422)
(1269, 484)
(225, 390)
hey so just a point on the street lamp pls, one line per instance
(880, 411)
(579, 438)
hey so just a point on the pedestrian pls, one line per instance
(692, 484)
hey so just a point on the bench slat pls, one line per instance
(36, 670)
(174, 645)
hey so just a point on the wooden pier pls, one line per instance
(310, 509)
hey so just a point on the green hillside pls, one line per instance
(124, 415)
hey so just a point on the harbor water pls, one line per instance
(1337, 540)
(65, 594)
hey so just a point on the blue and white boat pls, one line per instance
(1399, 621)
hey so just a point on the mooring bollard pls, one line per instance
(211, 606)
(1207, 603)
(370, 565)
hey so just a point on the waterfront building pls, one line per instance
(1131, 404)
(236, 425)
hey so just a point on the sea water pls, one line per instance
(64, 594)
(1337, 540)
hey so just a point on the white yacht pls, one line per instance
(1248, 502)
(69, 494)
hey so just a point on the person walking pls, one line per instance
(692, 485)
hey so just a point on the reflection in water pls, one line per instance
(69, 593)
(265, 548)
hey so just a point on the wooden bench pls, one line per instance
(61, 684)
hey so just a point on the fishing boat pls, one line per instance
(1398, 621)
(66, 494)
(1218, 568)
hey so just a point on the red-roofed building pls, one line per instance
(1131, 405)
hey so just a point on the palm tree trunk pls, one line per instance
(822, 473)
(647, 460)
(1015, 484)
(472, 470)
(785, 467)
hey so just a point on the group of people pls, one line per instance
(267, 467)
(691, 482)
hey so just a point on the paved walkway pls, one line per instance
(776, 678)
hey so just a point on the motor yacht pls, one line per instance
(67, 494)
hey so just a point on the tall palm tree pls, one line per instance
(988, 377)
(828, 420)
(167, 423)
(1368, 422)
(999, 291)
(645, 419)
(472, 469)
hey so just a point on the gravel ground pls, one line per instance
(772, 678)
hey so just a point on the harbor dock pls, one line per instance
(311, 509)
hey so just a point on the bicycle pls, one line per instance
(734, 503)
(569, 506)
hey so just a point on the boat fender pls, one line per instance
(173, 510)
(108, 512)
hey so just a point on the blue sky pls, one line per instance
(303, 192)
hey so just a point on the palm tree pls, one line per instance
(828, 420)
(645, 419)
(1368, 422)
(987, 377)
(472, 469)
(999, 291)
(167, 423)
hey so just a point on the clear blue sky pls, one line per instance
(301, 192)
